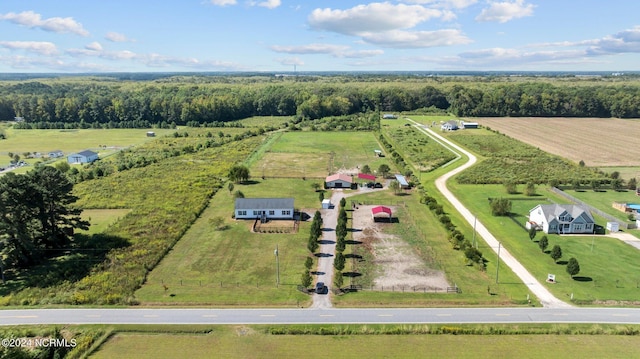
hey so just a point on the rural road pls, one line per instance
(311, 316)
(545, 297)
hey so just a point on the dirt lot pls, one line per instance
(599, 142)
(398, 266)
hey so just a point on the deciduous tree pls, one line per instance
(573, 267)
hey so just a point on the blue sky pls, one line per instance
(341, 35)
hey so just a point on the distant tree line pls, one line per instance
(112, 104)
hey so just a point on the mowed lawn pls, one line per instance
(316, 154)
(43, 141)
(100, 219)
(608, 267)
(603, 200)
(234, 266)
(244, 342)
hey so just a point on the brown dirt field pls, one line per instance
(599, 142)
(398, 266)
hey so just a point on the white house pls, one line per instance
(338, 180)
(450, 125)
(56, 154)
(82, 157)
(561, 219)
(264, 208)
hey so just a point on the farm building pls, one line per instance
(403, 181)
(85, 156)
(450, 125)
(55, 154)
(366, 177)
(151, 134)
(613, 226)
(338, 180)
(264, 208)
(378, 153)
(326, 203)
(470, 125)
(380, 212)
(561, 219)
(389, 116)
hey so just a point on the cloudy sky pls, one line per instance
(327, 35)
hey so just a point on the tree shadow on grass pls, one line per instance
(351, 255)
(352, 242)
(69, 265)
(582, 279)
(564, 263)
(351, 274)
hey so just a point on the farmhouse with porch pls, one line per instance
(338, 180)
(561, 219)
(264, 208)
(85, 156)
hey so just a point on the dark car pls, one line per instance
(377, 185)
(320, 287)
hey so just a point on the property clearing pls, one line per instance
(398, 264)
(598, 142)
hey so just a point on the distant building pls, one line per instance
(466, 125)
(151, 134)
(82, 157)
(264, 208)
(389, 116)
(450, 125)
(402, 181)
(56, 154)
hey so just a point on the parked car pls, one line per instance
(320, 287)
(377, 185)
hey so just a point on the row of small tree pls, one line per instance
(341, 235)
(314, 234)
(573, 266)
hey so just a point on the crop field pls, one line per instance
(317, 154)
(422, 151)
(596, 141)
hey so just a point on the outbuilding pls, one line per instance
(338, 180)
(85, 156)
(402, 181)
(55, 154)
(381, 212)
(470, 125)
(326, 203)
(613, 226)
(151, 134)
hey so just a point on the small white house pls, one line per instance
(450, 125)
(560, 219)
(338, 180)
(82, 157)
(264, 208)
(56, 154)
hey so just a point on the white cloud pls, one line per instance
(447, 4)
(417, 39)
(94, 46)
(117, 37)
(52, 24)
(505, 11)
(373, 17)
(223, 2)
(270, 4)
(39, 47)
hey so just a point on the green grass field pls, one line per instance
(251, 342)
(598, 279)
(100, 219)
(603, 200)
(309, 154)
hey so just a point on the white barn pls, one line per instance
(561, 219)
(82, 157)
(264, 208)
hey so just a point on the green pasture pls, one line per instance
(608, 267)
(234, 266)
(44, 141)
(243, 341)
(316, 154)
(101, 219)
(625, 172)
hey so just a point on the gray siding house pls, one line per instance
(82, 157)
(561, 219)
(264, 208)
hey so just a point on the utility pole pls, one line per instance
(498, 266)
(277, 266)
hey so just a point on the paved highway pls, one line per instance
(320, 316)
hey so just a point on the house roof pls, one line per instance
(366, 176)
(264, 203)
(339, 176)
(87, 153)
(553, 211)
(381, 209)
(402, 180)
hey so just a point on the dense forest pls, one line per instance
(95, 102)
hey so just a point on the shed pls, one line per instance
(338, 180)
(403, 181)
(470, 125)
(151, 134)
(381, 212)
(613, 226)
(378, 153)
(55, 154)
(326, 204)
(85, 156)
